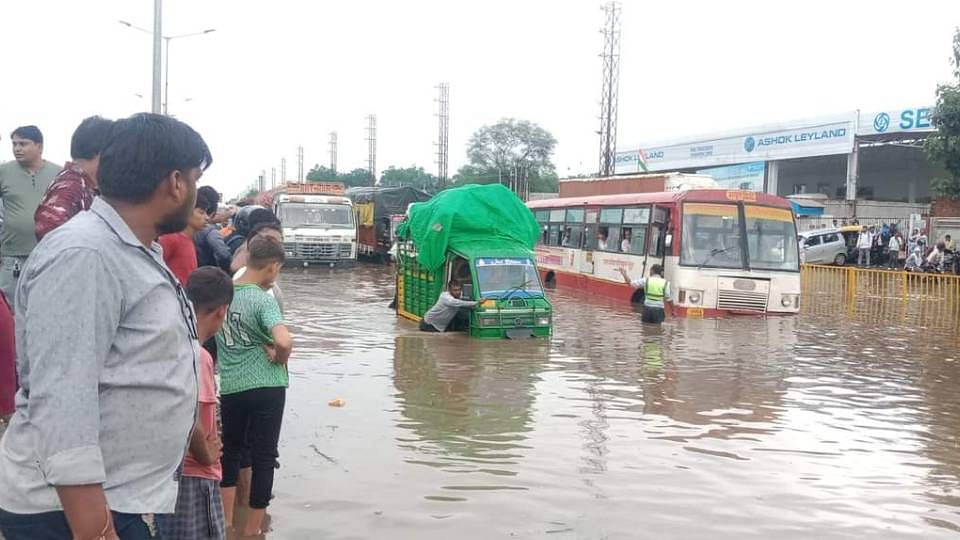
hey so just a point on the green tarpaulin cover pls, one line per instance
(469, 219)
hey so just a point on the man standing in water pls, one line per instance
(108, 394)
(655, 290)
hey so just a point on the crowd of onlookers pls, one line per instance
(886, 245)
(114, 269)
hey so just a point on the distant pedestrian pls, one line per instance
(254, 347)
(75, 187)
(914, 261)
(893, 251)
(656, 290)
(199, 514)
(107, 351)
(864, 245)
(22, 184)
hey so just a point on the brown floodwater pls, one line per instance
(821, 425)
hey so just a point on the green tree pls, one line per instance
(356, 178)
(510, 152)
(944, 146)
(319, 173)
(412, 176)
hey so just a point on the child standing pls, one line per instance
(253, 349)
(199, 513)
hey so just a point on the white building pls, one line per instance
(860, 160)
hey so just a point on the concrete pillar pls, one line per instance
(853, 172)
(773, 173)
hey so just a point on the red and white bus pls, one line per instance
(723, 251)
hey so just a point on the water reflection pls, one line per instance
(466, 406)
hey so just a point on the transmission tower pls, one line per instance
(372, 147)
(611, 84)
(333, 151)
(443, 140)
(283, 171)
(262, 181)
(300, 164)
(273, 177)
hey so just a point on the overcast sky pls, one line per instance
(278, 74)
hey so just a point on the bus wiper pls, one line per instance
(713, 253)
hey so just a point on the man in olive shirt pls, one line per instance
(22, 184)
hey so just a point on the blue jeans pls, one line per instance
(53, 526)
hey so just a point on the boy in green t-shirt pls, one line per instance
(253, 349)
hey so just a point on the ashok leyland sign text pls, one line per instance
(813, 138)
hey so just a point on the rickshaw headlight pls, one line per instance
(543, 321)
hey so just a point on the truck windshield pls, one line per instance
(316, 215)
(713, 237)
(511, 277)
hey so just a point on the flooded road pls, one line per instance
(795, 427)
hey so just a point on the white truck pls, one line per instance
(318, 223)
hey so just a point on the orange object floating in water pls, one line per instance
(339, 402)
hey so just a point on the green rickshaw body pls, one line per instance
(486, 235)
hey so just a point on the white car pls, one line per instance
(824, 246)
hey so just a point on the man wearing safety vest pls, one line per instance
(655, 290)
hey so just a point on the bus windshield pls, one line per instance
(316, 215)
(771, 238)
(713, 237)
(508, 278)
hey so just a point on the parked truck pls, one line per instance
(379, 210)
(318, 222)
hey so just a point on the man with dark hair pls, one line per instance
(211, 249)
(108, 397)
(75, 187)
(199, 513)
(22, 183)
(446, 314)
(656, 289)
(179, 251)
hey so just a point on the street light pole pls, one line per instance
(157, 35)
(166, 78)
(157, 106)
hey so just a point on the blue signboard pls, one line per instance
(746, 176)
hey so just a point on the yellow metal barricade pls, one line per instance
(927, 299)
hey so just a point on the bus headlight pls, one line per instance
(688, 296)
(790, 300)
(543, 321)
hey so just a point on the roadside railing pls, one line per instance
(929, 299)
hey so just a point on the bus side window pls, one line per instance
(638, 240)
(554, 235)
(590, 237)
